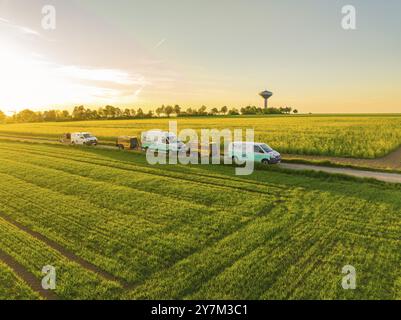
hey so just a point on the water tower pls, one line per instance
(266, 95)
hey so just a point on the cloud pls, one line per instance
(101, 75)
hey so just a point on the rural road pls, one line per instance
(381, 176)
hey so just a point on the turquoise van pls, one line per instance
(253, 151)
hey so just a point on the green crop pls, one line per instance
(191, 231)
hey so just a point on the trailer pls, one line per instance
(128, 143)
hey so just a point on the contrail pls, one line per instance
(159, 43)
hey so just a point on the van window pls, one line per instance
(257, 149)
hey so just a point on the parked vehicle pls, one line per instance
(79, 138)
(66, 138)
(252, 151)
(161, 141)
(127, 143)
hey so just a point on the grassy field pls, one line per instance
(115, 227)
(12, 287)
(365, 136)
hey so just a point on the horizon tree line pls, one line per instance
(80, 113)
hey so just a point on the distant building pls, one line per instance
(266, 95)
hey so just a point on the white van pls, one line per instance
(253, 151)
(83, 138)
(163, 141)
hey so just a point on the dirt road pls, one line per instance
(381, 176)
(392, 161)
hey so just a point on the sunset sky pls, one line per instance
(193, 53)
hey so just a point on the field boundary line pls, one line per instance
(33, 282)
(62, 250)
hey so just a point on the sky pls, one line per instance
(131, 53)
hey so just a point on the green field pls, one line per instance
(191, 231)
(12, 287)
(364, 136)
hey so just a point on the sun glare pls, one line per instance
(28, 80)
(25, 81)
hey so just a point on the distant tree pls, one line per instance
(127, 113)
(248, 110)
(49, 115)
(2, 117)
(79, 113)
(190, 112)
(139, 113)
(64, 115)
(168, 110)
(233, 112)
(214, 111)
(177, 110)
(159, 111)
(273, 111)
(295, 111)
(109, 111)
(285, 110)
(202, 111)
(224, 110)
(27, 116)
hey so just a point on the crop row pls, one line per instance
(158, 239)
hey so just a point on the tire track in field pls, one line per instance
(131, 285)
(261, 214)
(102, 232)
(307, 261)
(63, 251)
(27, 277)
(293, 225)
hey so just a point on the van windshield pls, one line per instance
(173, 139)
(87, 135)
(266, 148)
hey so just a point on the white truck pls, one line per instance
(80, 138)
(162, 141)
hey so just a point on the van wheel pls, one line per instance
(235, 160)
(265, 162)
